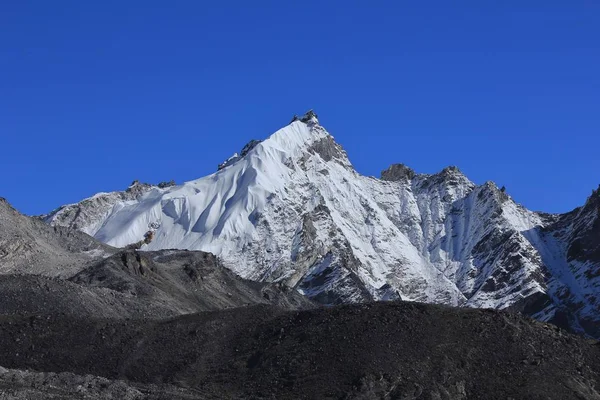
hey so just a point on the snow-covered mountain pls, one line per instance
(293, 209)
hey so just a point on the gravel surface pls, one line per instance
(370, 351)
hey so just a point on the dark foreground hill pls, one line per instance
(370, 351)
(142, 285)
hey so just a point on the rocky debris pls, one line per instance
(32, 385)
(138, 188)
(142, 285)
(32, 294)
(367, 351)
(183, 281)
(398, 172)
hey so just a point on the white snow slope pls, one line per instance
(294, 210)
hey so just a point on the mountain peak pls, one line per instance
(451, 170)
(310, 117)
(397, 172)
(290, 138)
(137, 188)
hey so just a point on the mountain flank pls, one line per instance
(292, 210)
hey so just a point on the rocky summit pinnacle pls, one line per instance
(309, 117)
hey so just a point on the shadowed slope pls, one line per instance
(369, 351)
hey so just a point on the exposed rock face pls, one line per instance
(309, 117)
(328, 150)
(183, 281)
(166, 184)
(584, 244)
(293, 210)
(137, 188)
(398, 172)
(249, 146)
(570, 248)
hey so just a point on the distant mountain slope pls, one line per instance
(150, 285)
(292, 209)
(183, 281)
(570, 249)
(28, 245)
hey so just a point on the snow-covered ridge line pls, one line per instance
(292, 209)
(86, 214)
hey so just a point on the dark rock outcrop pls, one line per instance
(236, 157)
(328, 149)
(184, 281)
(397, 172)
(249, 146)
(166, 184)
(309, 116)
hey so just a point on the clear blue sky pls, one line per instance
(95, 94)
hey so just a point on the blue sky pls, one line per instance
(97, 94)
